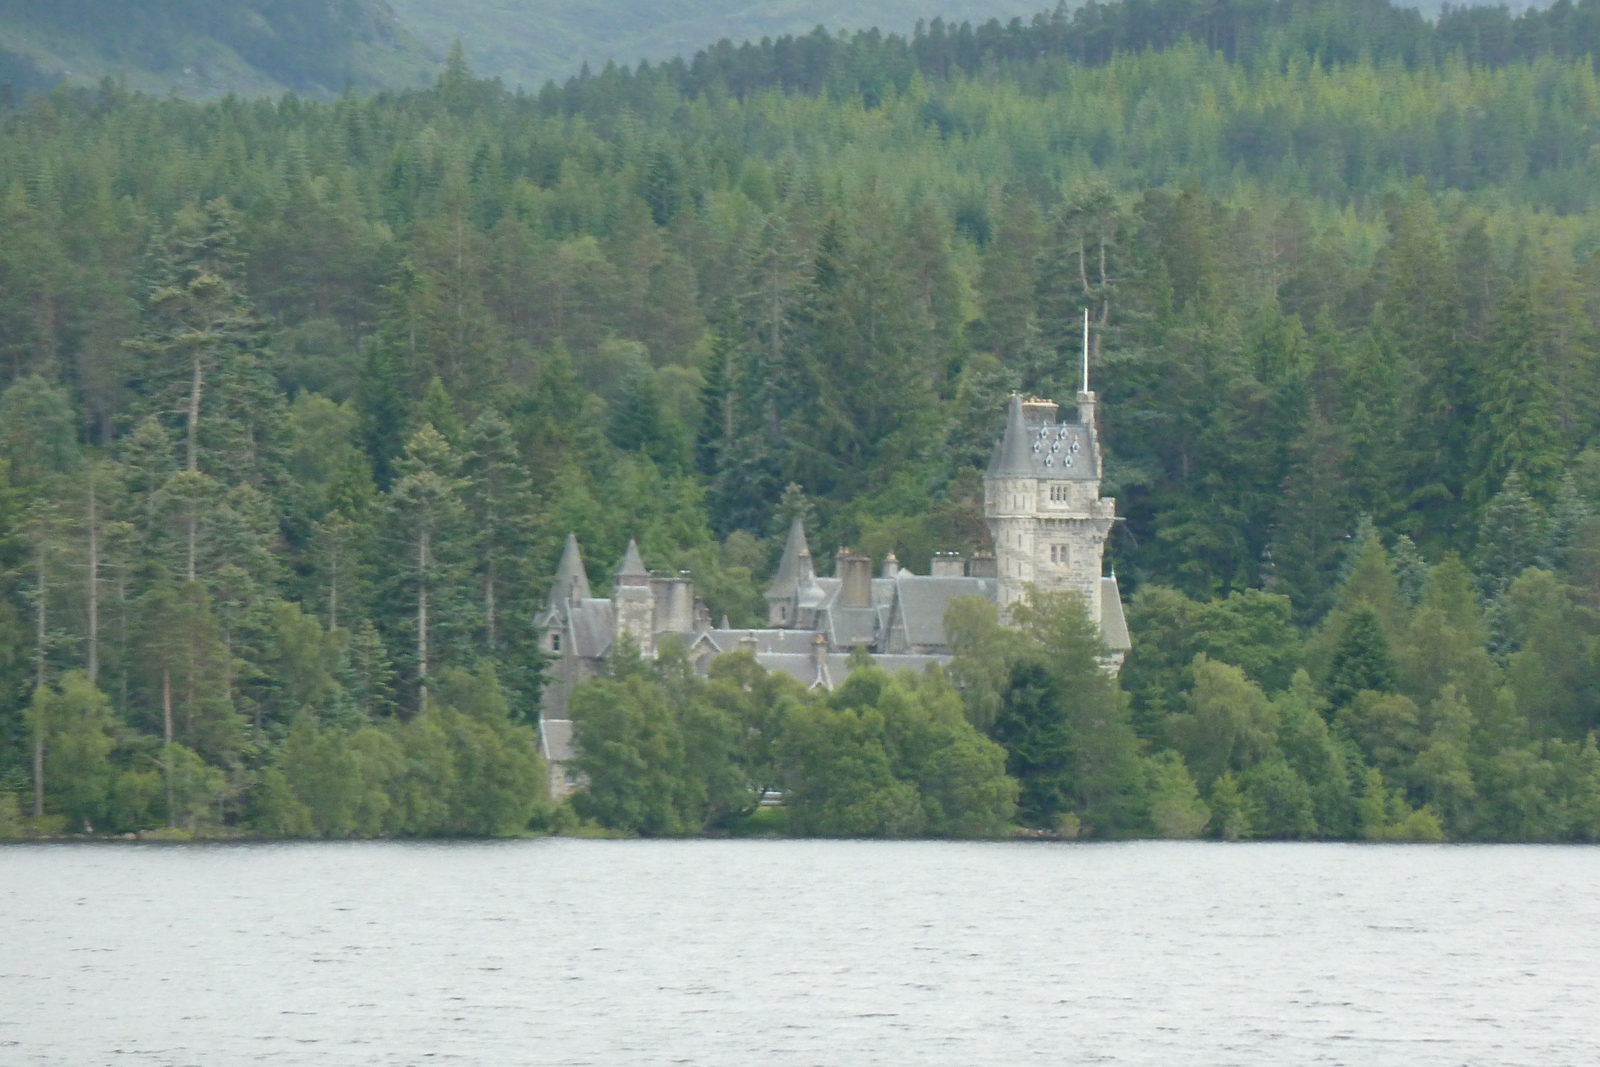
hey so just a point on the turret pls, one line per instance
(1042, 503)
(572, 582)
(632, 601)
(782, 603)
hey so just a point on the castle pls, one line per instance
(1045, 515)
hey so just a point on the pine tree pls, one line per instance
(1306, 547)
(198, 348)
(371, 677)
(1515, 427)
(1422, 315)
(1007, 282)
(1362, 660)
(428, 519)
(1514, 535)
(1410, 570)
(1081, 266)
(38, 431)
(500, 501)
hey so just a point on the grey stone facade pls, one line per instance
(1049, 524)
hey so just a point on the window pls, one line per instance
(1060, 554)
(555, 642)
(1058, 493)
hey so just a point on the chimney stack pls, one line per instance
(949, 565)
(1037, 412)
(983, 566)
(855, 579)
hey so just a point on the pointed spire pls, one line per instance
(1012, 457)
(572, 581)
(789, 567)
(632, 571)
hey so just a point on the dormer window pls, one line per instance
(555, 642)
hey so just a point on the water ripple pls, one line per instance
(798, 953)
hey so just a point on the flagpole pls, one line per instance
(1085, 350)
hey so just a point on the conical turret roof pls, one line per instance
(789, 567)
(632, 571)
(1012, 457)
(572, 581)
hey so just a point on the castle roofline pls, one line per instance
(1063, 451)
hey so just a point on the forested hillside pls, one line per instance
(529, 42)
(300, 399)
(200, 48)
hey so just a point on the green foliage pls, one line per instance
(841, 777)
(1176, 810)
(462, 767)
(1385, 816)
(1229, 819)
(1065, 725)
(195, 790)
(76, 727)
(634, 752)
(1229, 725)
(299, 401)
(11, 825)
(1277, 801)
(1311, 749)
(1361, 660)
(667, 753)
(1251, 630)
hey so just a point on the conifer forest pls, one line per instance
(300, 398)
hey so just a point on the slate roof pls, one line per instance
(593, 627)
(788, 642)
(555, 740)
(848, 627)
(1113, 625)
(1062, 451)
(922, 601)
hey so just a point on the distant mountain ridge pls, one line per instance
(200, 48)
(527, 42)
(211, 47)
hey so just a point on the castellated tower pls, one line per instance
(1041, 499)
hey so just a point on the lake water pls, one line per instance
(778, 953)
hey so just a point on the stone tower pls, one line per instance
(1041, 499)
(633, 602)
